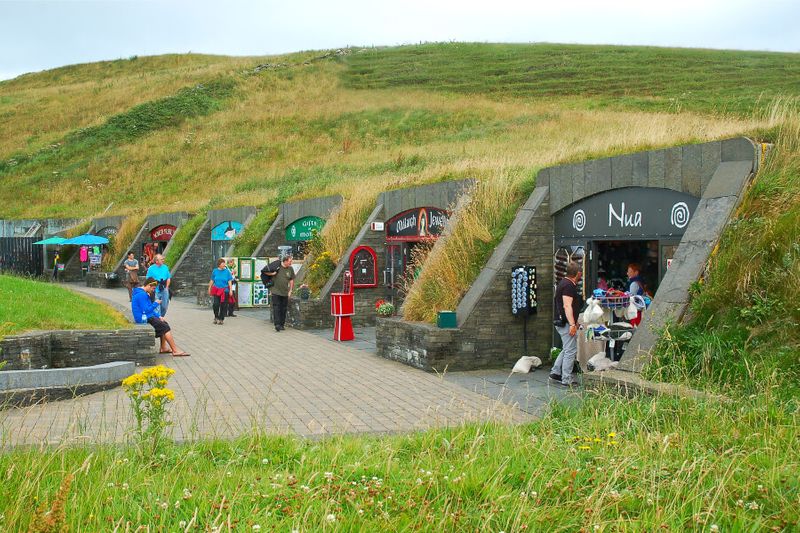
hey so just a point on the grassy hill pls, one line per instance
(210, 131)
(357, 123)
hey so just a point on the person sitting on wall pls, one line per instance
(147, 311)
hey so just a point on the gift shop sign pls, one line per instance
(417, 224)
(630, 213)
(302, 229)
(162, 233)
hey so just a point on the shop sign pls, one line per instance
(226, 231)
(632, 213)
(108, 231)
(301, 229)
(162, 233)
(417, 224)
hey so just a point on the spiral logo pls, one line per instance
(579, 220)
(680, 215)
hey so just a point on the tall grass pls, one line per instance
(453, 265)
(746, 310)
(603, 464)
(120, 244)
(182, 237)
(48, 306)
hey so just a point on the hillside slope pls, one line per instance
(80, 138)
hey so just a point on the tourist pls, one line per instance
(160, 272)
(233, 297)
(281, 291)
(220, 288)
(56, 261)
(131, 266)
(567, 305)
(637, 287)
(146, 311)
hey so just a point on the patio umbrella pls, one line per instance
(86, 239)
(52, 240)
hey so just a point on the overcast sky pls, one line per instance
(37, 35)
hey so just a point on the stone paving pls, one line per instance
(245, 377)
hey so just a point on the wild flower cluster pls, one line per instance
(149, 397)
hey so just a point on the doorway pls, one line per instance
(611, 259)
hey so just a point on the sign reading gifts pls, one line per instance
(628, 213)
(302, 228)
(417, 224)
(162, 233)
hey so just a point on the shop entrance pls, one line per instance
(410, 235)
(609, 269)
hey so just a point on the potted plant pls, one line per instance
(384, 308)
(304, 292)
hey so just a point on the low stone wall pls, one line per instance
(103, 280)
(19, 388)
(62, 349)
(419, 345)
(309, 314)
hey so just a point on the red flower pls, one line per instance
(379, 303)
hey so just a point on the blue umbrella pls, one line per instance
(52, 240)
(86, 239)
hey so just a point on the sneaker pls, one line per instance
(216, 321)
(555, 377)
(231, 315)
(571, 385)
(220, 322)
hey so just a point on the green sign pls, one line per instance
(300, 229)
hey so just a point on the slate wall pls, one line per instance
(194, 267)
(60, 349)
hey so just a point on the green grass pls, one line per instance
(643, 464)
(181, 239)
(72, 151)
(747, 309)
(719, 81)
(31, 305)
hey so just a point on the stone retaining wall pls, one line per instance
(417, 344)
(61, 349)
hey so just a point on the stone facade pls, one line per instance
(489, 336)
(417, 344)
(63, 349)
(102, 280)
(193, 268)
(444, 195)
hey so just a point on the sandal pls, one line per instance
(180, 354)
(165, 351)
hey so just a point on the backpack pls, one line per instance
(269, 281)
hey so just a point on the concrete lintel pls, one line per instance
(632, 384)
(729, 179)
(65, 377)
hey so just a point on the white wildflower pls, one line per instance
(331, 518)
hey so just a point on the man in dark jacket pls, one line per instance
(147, 311)
(567, 305)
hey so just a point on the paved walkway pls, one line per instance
(245, 377)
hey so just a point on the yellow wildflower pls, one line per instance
(584, 448)
(160, 394)
(134, 382)
(612, 435)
